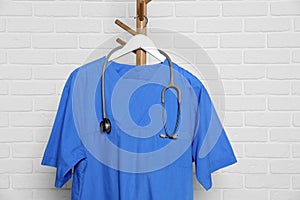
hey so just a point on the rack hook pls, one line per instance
(145, 17)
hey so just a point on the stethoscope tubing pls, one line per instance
(169, 86)
(103, 80)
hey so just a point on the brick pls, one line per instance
(15, 72)
(32, 25)
(54, 41)
(15, 166)
(267, 24)
(27, 150)
(52, 194)
(78, 26)
(233, 119)
(296, 150)
(104, 9)
(283, 72)
(59, 9)
(246, 194)
(38, 168)
(16, 194)
(221, 57)
(267, 119)
(267, 56)
(296, 56)
(267, 181)
(245, 103)
(285, 8)
(154, 9)
(267, 150)
(242, 40)
(4, 181)
(33, 181)
(31, 119)
(219, 25)
(16, 135)
(249, 166)
(297, 24)
(2, 25)
(203, 194)
(296, 119)
(248, 134)
(267, 87)
(285, 135)
(285, 166)
(33, 88)
(15, 104)
(92, 41)
(223, 181)
(284, 40)
(3, 57)
(51, 72)
(204, 41)
(238, 150)
(182, 25)
(284, 103)
(296, 182)
(72, 57)
(31, 57)
(42, 134)
(245, 9)
(4, 150)
(197, 9)
(194, 41)
(16, 9)
(46, 103)
(3, 119)
(284, 195)
(108, 28)
(4, 87)
(242, 72)
(233, 87)
(207, 72)
(13, 41)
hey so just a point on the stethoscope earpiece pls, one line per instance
(105, 126)
(173, 137)
(163, 135)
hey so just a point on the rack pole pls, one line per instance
(141, 8)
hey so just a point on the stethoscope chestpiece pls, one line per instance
(105, 126)
(173, 136)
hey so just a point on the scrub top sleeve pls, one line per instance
(64, 149)
(211, 147)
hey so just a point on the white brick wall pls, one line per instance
(255, 45)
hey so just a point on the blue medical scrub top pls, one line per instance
(133, 161)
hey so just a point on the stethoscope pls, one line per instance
(105, 124)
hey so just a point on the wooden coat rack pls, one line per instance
(141, 23)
